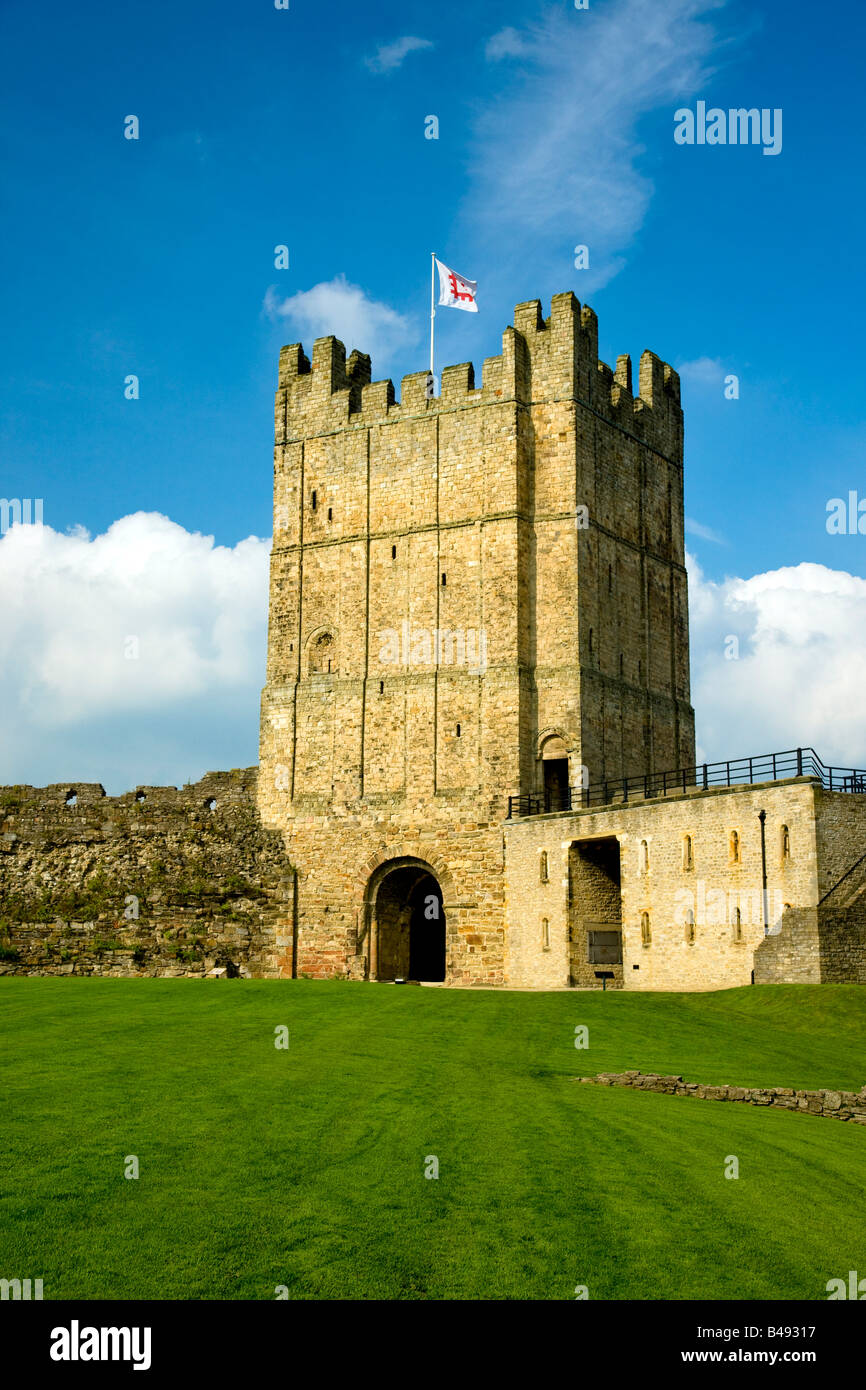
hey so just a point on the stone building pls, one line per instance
(478, 612)
(477, 743)
(696, 889)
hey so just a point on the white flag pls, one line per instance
(454, 291)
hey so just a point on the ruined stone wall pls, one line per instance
(665, 888)
(834, 1105)
(154, 882)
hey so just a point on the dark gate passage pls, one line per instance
(595, 912)
(409, 922)
(556, 797)
(427, 932)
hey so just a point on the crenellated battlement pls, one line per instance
(552, 358)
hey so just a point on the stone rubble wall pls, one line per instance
(836, 1105)
(159, 881)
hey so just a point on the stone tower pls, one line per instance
(472, 596)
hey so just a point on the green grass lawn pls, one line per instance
(262, 1167)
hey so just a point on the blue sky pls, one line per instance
(306, 127)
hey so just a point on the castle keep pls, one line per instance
(542, 509)
(479, 604)
(477, 743)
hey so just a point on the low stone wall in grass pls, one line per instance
(837, 1105)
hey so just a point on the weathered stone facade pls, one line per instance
(470, 595)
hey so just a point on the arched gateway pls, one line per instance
(405, 922)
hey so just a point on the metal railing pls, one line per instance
(734, 772)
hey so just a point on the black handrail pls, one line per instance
(766, 767)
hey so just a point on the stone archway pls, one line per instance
(322, 652)
(406, 920)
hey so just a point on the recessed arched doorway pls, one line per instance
(407, 923)
(553, 774)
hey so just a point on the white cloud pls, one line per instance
(389, 56)
(507, 43)
(801, 671)
(557, 161)
(703, 533)
(703, 371)
(76, 706)
(344, 310)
